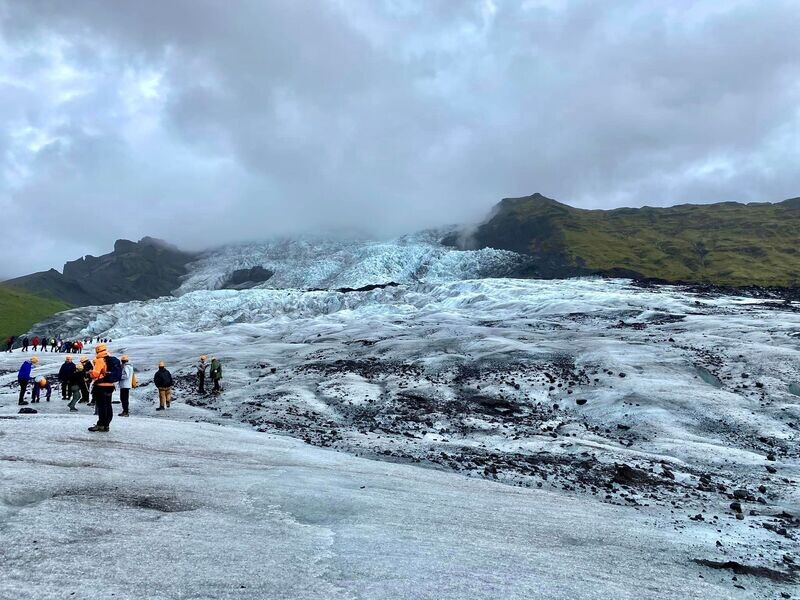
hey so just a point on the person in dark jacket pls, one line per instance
(64, 374)
(163, 381)
(24, 377)
(10, 341)
(87, 368)
(216, 373)
(25, 343)
(76, 380)
(40, 387)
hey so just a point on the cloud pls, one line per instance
(207, 122)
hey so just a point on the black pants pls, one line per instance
(216, 385)
(102, 395)
(64, 390)
(201, 379)
(124, 397)
(25, 347)
(23, 386)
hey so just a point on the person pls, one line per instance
(10, 341)
(216, 373)
(35, 342)
(163, 381)
(41, 386)
(52, 344)
(25, 343)
(106, 372)
(202, 367)
(76, 383)
(125, 385)
(87, 368)
(64, 374)
(24, 377)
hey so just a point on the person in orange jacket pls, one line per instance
(107, 371)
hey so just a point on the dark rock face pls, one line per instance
(247, 278)
(133, 271)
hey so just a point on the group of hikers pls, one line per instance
(56, 345)
(93, 382)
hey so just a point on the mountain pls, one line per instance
(728, 244)
(140, 270)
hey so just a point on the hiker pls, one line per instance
(10, 341)
(216, 373)
(64, 374)
(87, 368)
(106, 372)
(24, 377)
(35, 342)
(40, 386)
(25, 343)
(163, 381)
(76, 383)
(125, 384)
(52, 344)
(202, 367)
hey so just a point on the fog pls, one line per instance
(205, 122)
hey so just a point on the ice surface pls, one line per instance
(169, 509)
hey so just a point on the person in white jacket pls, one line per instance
(125, 385)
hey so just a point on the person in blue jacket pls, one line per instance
(40, 387)
(24, 377)
(64, 375)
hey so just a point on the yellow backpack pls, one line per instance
(133, 381)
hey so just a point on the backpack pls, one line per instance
(134, 383)
(113, 370)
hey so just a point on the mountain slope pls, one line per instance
(133, 271)
(723, 244)
(20, 309)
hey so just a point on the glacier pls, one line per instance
(660, 404)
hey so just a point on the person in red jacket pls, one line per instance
(35, 342)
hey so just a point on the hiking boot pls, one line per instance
(98, 427)
(124, 413)
(73, 409)
(23, 403)
(167, 404)
(160, 408)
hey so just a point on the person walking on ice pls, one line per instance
(76, 380)
(216, 373)
(106, 373)
(163, 381)
(127, 382)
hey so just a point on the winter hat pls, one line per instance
(84, 359)
(101, 350)
(35, 359)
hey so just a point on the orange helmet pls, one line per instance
(42, 382)
(35, 359)
(101, 350)
(161, 364)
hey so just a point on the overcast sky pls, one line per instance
(205, 122)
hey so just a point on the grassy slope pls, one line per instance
(724, 244)
(20, 309)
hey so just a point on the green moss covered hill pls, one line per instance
(20, 309)
(727, 244)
